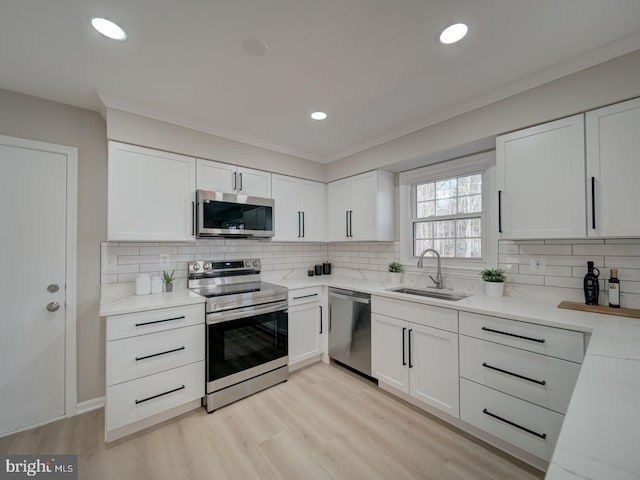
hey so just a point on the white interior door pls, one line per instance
(33, 215)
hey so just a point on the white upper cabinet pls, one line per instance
(299, 209)
(225, 178)
(541, 181)
(150, 195)
(613, 170)
(362, 207)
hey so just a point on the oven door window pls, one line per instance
(238, 345)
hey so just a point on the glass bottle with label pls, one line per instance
(614, 289)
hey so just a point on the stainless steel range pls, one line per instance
(247, 329)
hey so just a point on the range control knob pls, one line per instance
(256, 263)
(196, 266)
(206, 266)
(247, 264)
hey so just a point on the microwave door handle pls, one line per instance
(193, 218)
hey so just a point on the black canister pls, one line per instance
(326, 268)
(318, 268)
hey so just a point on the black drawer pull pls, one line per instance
(593, 203)
(539, 340)
(524, 429)
(160, 321)
(499, 211)
(305, 296)
(409, 338)
(158, 354)
(539, 382)
(160, 395)
(404, 353)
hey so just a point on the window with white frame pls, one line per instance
(447, 215)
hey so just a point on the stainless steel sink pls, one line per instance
(454, 297)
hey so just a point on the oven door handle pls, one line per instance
(213, 318)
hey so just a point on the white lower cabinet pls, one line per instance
(155, 367)
(523, 424)
(305, 325)
(415, 358)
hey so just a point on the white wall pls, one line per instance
(138, 130)
(37, 119)
(608, 82)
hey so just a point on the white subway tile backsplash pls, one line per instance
(198, 250)
(608, 249)
(132, 259)
(566, 282)
(572, 242)
(545, 249)
(507, 248)
(624, 262)
(525, 279)
(113, 250)
(158, 250)
(551, 270)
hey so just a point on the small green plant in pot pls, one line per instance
(168, 280)
(395, 272)
(494, 279)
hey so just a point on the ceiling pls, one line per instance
(373, 65)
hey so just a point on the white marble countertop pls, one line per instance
(600, 437)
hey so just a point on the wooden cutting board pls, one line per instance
(621, 312)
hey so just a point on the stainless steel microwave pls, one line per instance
(229, 215)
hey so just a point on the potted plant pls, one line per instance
(494, 279)
(395, 272)
(168, 280)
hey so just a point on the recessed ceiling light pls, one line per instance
(108, 28)
(253, 46)
(318, 115)
(453, 33)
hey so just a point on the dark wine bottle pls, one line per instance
(591, 286)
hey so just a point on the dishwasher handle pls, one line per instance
(351, 298)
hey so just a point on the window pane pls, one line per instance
(420, 246)
(423, 230)
(446, 188)
(446, 247)
(470, 184)
(468, 227)
(468, 248)
(446, 207)
(470, 204)
(444, 229)
(426, 209)
(426, 191)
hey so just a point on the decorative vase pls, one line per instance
(168, 287)
(494, 289)
(395, 278)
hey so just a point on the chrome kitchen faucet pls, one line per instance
(438, 279)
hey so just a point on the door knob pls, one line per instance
(53, 287)
(53, 306)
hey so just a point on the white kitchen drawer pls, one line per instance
(522, 372)
(151, 321)
(302, 296)
(478, 401)
(135, 357)
(427, 315)
(556, 342)
(153, 394)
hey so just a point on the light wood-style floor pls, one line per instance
(325, 422)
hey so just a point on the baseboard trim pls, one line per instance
(89, 405)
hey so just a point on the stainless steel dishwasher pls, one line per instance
(350, 329)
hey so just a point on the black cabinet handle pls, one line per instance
(240, 175)
(593, 202)
(508, 422)
(302, 224)
(404, 362)
(158, 354)
(499, 211)
(305, 296)
(533, 380)
(409, 336)
(299, 229)
(531, 339)
(351, 223)
(346, 225)
(160, 395)
(235, 180)
(320, 307)
(193, 218)
(329, 317)
(159, 321)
